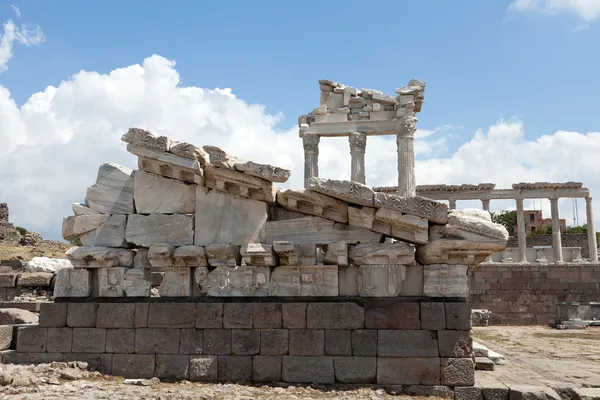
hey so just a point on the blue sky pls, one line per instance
(503, 82)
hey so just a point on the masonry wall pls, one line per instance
(393, 341)
(527, 294)
(570, 240)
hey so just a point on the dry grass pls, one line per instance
(26, 253)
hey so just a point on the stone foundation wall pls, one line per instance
(395, 341)
(570, 240)
(527, 294)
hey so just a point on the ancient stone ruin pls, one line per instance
(329, 283)
(8, 233)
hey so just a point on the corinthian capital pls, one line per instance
(406, 126)
(311, 142)
(358, 141)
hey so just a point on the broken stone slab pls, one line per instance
(348, 191)
(258, 254)
(432, 210)
(443, 280)
(146, 230)
(46, 264)
(143, 138)
(265, 171)
(99, 257)
(240, 184)
(220, 158)
(161, 255)
(110, 282)
(110, 234)
(154, 194)
(406, 227)
(361, 217)
(177, 282)
(381, 280)
(191, 151)
(527, 392)
(113, 191)
(474, 225)
(82, 209)
(382, 253)
(168, 165)
(317, 230)
(140, 260)
(295, 254)
(8, 280)
(337, 254)
(225, 218)
(237, 281)
(190, 256)
(200, 274)
(76, 225)
(35, 279)
(16, 316)
(313, 203)
(137, 282)
(313, 280)
(73, 283)
(223, 255)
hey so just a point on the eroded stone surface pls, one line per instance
(316, 280)
(223, 255)
(73, 283)
(76, 225)
(443, 280)
(317, 230)
(146, 230)
(264, 171)
(351, 192)
(143, 138)
(154, 194)
(190, 256)
(240, 184)
(432, 210)
(237, 281)
(161, 255)
(382, 253)
(113, 191)
(98, 257)
(177, 282)
(168, 165)
(381, 280)
(110, 234)
(313, 203)
(258, 254)
(405, 227)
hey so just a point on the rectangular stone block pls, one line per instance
(468, 393)
(274, 341)
(240, 281)
(191, 341)
(308, 202)
(43, 358)
(203, 368)
(120, 341)
(266, 315)
(113, 191)
(304, 280)
(209, 315)
(442, 392)
(444, 280)
(355, 369)
(73, 283)
(237, 315)
(348, 281)
(361, 217)
(140, 319)
(234, 368)
(172, 367)
(110, 234)
(96, 362)
(59, 340)
(146, 230)
(382, 280)
(177, 282)
(137, 282)
(89, 340)
(338, 342)
(53, 315)
(294, 315)
(266, 368)
(298, 369)
(455, 344)
(414, 343)
(6, 337)
(433, 316)
(115, 315)
(8, 280)
(245, 341)
(364, 342)
(458, 316)
(307, 342)
(317, 230)
(335, 316)
(408, 371)
(81, 315)
(172, 315)
(154, 194)
(457, 372)
(110, 281)
(217, 341)
(31, 339)
(133, 366)
(35, 279)
(157, 340)
(393, 315)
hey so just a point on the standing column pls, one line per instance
(485, 203)
(452, 204)
(358, 144)
(591, 227)
(556, 240)
(311, 156)
(521, 235)
(405, 139)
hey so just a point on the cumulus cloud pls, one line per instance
(588, 10)
(13, 34)
(16, 10)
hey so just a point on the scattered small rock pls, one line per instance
(142, 382)
(71, 374)
(5, 378)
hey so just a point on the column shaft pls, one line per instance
(591, 226)
(521, 235)
(452, 204)
(405, 139)
(310, 142)
(485, 203)
(556, 239)
(358, 144)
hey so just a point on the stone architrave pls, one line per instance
(76, 225)
(110, 282)
(73, 283)
(113, 191)
(443, 280)
(240, 184)
(109, 234)
(406, 227)
(143, 138)
(223, 255)
(381, 280)
(82, 209)
(348, 191)
(191, 151)
(161, 255)
(168, 165)
(154, 194)
(224, 218)
(258, 254)
(237, 281)
(314, 280)
(177, 282)
(100, 257)
(137, 282)
(337, 254)
(317, 230)
(264, 171)
(220, 158)
(382, 253)
(432, 210)
(313, 203)
(146, 230)
(190, 256)
(361, 217)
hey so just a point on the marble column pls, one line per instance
(358, 144)
(452, 204)
(556, 240)
(521, 234)
(591, 227)
(405, 139)
(485, 203)
(311, 156)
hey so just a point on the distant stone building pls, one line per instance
(535, 222)
(8, 233)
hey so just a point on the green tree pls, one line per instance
(76, 242)
(506, 218)
(21, 230)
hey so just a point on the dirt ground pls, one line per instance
(26, 253)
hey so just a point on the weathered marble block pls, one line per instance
(113, 191)
(443, 280)
(220, 158)
(76, 225)
(361, 217)
(168, 165)
(177, 282)
(258, 254)
(432, 210)
(140, 259)
(223, 255)
(110, 282)
(73, 283)
(237, 281)
(161, 255)
(143, 138)
(317, 280)
(224, 218)
(348, 191)
(381, 280)
(240, 184)
(137, 282)
(382, 253)
(337, 254)
(191, 151)
(100, 257)
(263, 171)
(146, 230)
(406, 227)
(154, 194)
(200, 274)
(317, 230)
(109, 234)
(190, 256)
(295, 254)
(313, 203)
(82, 209)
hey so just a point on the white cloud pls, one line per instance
(17, 35)
(588, 10)
(16, 10)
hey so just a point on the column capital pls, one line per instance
(519, 202)
(588, 199)
(311, 142)
(406, 127)
(553, 199)
(358, 141)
